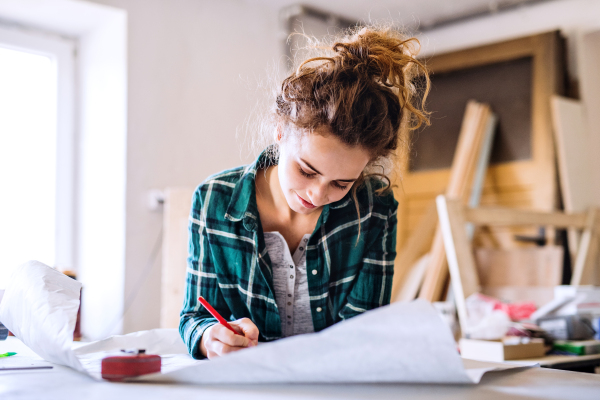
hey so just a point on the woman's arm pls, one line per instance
(202, 281)
(373, 284)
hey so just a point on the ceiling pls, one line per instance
(411, 14)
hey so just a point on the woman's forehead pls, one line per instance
(331, 157)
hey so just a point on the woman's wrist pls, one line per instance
(202, 341)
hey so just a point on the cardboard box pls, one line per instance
(501, 350)
(526, 267)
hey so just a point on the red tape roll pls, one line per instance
(117, 368)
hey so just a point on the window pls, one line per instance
(36, 149)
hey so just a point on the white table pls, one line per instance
(65, 384)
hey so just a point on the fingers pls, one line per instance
(248, 328)
(224, 335)
(218, 340)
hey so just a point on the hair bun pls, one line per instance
(381, 55)
(360, 87)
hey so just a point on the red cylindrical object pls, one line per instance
(117, 368)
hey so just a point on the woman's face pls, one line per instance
(318, 169)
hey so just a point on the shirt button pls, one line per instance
(314, 271)
(305, 240)
(301, 248)
(289, 303)
(289, 295)
(289, 316)
(291, 266)
(319, 309)
(289, 323)
(291, 276)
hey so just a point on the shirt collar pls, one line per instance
(242, 205)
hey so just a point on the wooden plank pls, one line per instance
(494, 216)
(588, 250)
(464, 278)
(574, 159)
(588, 50)
(463, 168)
(573, 153)
(483, 161)
(178, 202)
(413, 280)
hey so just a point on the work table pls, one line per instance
(65, 384)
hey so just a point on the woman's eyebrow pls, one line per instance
(314, 169)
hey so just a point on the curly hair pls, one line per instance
(361, 87)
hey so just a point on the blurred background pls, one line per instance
(109, 109)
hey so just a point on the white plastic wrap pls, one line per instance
(39, 307)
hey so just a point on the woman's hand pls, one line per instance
(218, 340)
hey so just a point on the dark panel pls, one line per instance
(505, 86)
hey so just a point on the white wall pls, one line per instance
(571, 17)
(192, 66)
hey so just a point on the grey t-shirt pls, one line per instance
(290, 283)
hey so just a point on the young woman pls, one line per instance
(306, 236)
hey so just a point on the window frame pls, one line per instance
(62, 50)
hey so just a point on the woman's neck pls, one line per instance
(269, 193)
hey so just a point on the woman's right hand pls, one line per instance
(218, 340)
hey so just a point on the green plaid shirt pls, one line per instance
(229, 266)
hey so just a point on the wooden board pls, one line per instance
(573, 153)
(574, 159)
(178, 202)
(527, 183)
(589, 82)
(474, 126)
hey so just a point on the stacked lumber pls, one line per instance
(465, 159)
(430, 280)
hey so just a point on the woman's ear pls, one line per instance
(278, 133)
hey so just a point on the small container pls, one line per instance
(133, 363)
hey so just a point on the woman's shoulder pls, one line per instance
(221, 184)
(376, 193)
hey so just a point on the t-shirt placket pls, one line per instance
(289, 305)
(293, 262)
(292, 288)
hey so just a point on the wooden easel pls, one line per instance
(454, 215)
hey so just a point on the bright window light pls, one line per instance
(28, 140)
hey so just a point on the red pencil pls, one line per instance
(215, 314)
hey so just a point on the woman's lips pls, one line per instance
(305, 203)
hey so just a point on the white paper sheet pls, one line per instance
(403, 342)
(397, 343)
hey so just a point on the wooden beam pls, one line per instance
(574, 159)
(475, 123)
(496, 216)
(588, 250)
(464, 277)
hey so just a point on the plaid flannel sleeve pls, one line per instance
(373, 285)
(201, 280)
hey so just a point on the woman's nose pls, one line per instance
(318, 194)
